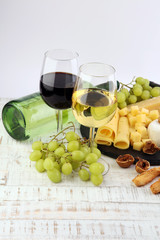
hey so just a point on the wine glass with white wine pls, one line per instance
(94, 101)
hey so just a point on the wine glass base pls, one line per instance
(106, 165)
(100, 160)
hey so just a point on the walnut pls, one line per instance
(150, 147)
(125, 160)
(142, 165)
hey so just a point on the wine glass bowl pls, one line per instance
(94, 100)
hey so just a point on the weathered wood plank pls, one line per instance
(77, 194)
(79, 230)
(79, 210)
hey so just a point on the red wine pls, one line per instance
(56, 89)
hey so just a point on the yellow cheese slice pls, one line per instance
(121, 140)
(103, 141)
(106, 134)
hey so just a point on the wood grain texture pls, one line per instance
(32, 207)
(78, 230)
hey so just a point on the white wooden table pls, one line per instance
(32, 207)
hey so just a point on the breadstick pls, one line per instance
(146, 177)
(155, 187)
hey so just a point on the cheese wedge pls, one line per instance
(150, 104)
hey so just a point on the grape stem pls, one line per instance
(63, 130)
(83, 165)
(44, 150)
(126, 85)
(84, 140)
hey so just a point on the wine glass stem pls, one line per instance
(91, 137)
(59, 120)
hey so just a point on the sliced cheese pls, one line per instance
(122, 137)
(106, 134)
(103, 141)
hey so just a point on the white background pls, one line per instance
(123, 33)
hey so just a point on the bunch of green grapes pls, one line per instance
(140, 90)
(56, 159)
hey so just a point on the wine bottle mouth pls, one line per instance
(14, 122)
(61, 54)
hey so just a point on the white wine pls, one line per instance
(93, 107)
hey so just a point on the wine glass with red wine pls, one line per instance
(59, 74)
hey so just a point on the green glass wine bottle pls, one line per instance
(30, 116)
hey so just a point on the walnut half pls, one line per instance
(142, 165)
(125, 160)
(150, 148)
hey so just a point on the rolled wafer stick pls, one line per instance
(146, 177)
(155, 187)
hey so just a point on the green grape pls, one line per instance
(66, 168)
(145, 95)
(51, 154)
(37, 145)
(43, 155)
(56, 165)
(96, 179)
(85, 149)
(62, 160)
(96, 151)
(127, 101)
(73, 145)
(75, 165)
(59, 151)
(48, 164)
(157, 88)
(122, 105)
(53, 158)
(96, 168)
(137, 85)
(71, 136)
(35, 155)
(62, 145)
(102, 167)
(137, 91)
(155, 92)
(140, 80)
(45, 146)
(132, 99)
(83, 174)
(78, 156)
(39, 165)
(146, 81)
(54, 175)
(147, 87)
(121, 97)
(52, 146)
(126, 92)
(91, 158)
